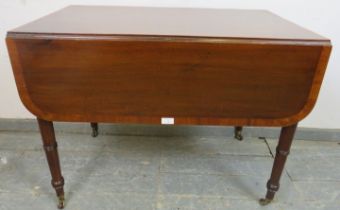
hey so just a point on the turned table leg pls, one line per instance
(282, 151)
(238, 133)
(50, 147)
(94, 127)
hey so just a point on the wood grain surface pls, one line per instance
(157, 21)
(139, 65)
(227, 83)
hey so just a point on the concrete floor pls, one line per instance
(166, 173)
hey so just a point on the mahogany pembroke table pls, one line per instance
(167, 66)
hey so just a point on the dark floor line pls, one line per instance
(266, 142)
(272, 154)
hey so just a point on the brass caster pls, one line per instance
(61, 203)
(265, 201)
(238, 135)
(94, 132)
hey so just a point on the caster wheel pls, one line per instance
(238, 136)
(94, 133)
(61, 203)
(264, 201)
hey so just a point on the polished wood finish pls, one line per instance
(195, 82)
(282, 152)
(192, 66)
(51, 151)
(153, 21)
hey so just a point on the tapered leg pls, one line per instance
(238, 133)
(282, 151)
(94, 127)
(50, 147)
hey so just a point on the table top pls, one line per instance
(153, 21)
